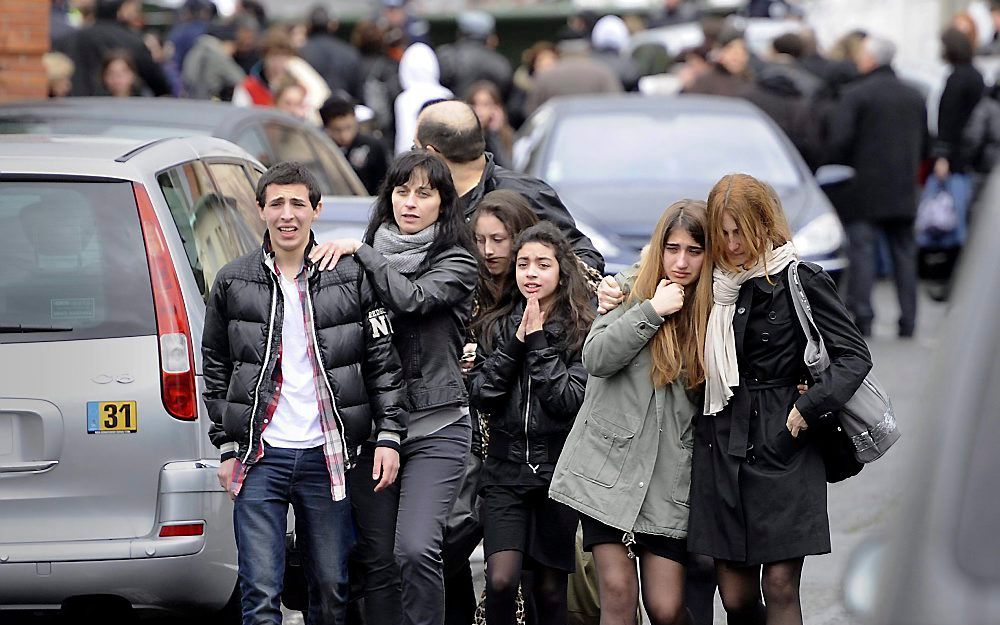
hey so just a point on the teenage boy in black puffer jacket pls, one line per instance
(299, 371)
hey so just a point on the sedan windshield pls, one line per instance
(688, 148)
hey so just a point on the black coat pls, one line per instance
(338, 62)
(93, 42)
(369, 159)
(467, 61)
(543, 199)
(529, 391)
(430, 315)
(880, 129)
(757, 494)
(245, 308)
(962, 92)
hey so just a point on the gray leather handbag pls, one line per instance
(867, 417)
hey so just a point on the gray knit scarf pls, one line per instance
(405, 252)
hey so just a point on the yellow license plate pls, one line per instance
(112, 417)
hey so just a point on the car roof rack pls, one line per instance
(124, 158)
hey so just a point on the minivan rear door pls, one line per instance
(83, 431)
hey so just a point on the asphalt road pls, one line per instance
(862, 507)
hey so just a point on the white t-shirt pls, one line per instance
(295, 422)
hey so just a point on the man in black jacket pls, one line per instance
(366, 154)
(296, 362)
(337, 61)
(473, 57)
(880, 129)
(452, 129)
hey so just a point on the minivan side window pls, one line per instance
(72, 262)
(209, 221)
(232, 180)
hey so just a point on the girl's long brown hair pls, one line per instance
(756, 209)
(515, 213)
(678, 347)
(573, 308)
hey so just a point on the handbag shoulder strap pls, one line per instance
(816, 357)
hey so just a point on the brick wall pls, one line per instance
(24, 38)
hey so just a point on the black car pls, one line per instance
(618, 160)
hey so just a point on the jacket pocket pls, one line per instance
(681, 492)
(600, 454)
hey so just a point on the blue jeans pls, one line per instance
(323, 527)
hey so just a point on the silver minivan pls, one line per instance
(107, 477)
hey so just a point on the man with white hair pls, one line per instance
(880, 129)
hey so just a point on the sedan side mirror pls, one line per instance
(830, 175)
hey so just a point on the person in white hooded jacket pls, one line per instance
(419, 75)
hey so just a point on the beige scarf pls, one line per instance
(721, 369)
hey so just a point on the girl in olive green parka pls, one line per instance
(626, 466)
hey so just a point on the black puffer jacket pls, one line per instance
(530, 392)
(241, 343)
(430, 313)
(542, 198)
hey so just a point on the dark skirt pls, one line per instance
(597, 533)
(523, 518)
(766, 507)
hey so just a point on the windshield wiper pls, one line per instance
(18, 329)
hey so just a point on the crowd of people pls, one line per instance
(673, 422)
(366, 88)
(464, 373)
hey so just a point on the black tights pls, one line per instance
(618, 584)
(740, 588)
(547, 590)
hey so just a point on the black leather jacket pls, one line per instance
(241, 341)
(542, 198)
(430, 312)
(530, 392)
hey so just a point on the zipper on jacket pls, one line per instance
(322, 372)
(527, 441)
(267, 359)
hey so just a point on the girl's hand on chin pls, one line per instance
(534, 315)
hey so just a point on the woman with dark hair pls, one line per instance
(962, 91)
(499, 218)
(529, 382)
(381, 84)
(119, 75)
(647, 371)
(418, 255)
(485, 99)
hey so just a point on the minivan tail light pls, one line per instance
(184, 529)
(177, 383)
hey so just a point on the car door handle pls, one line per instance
(28, 467)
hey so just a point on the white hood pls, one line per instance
(418, 74)
(419, 65)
